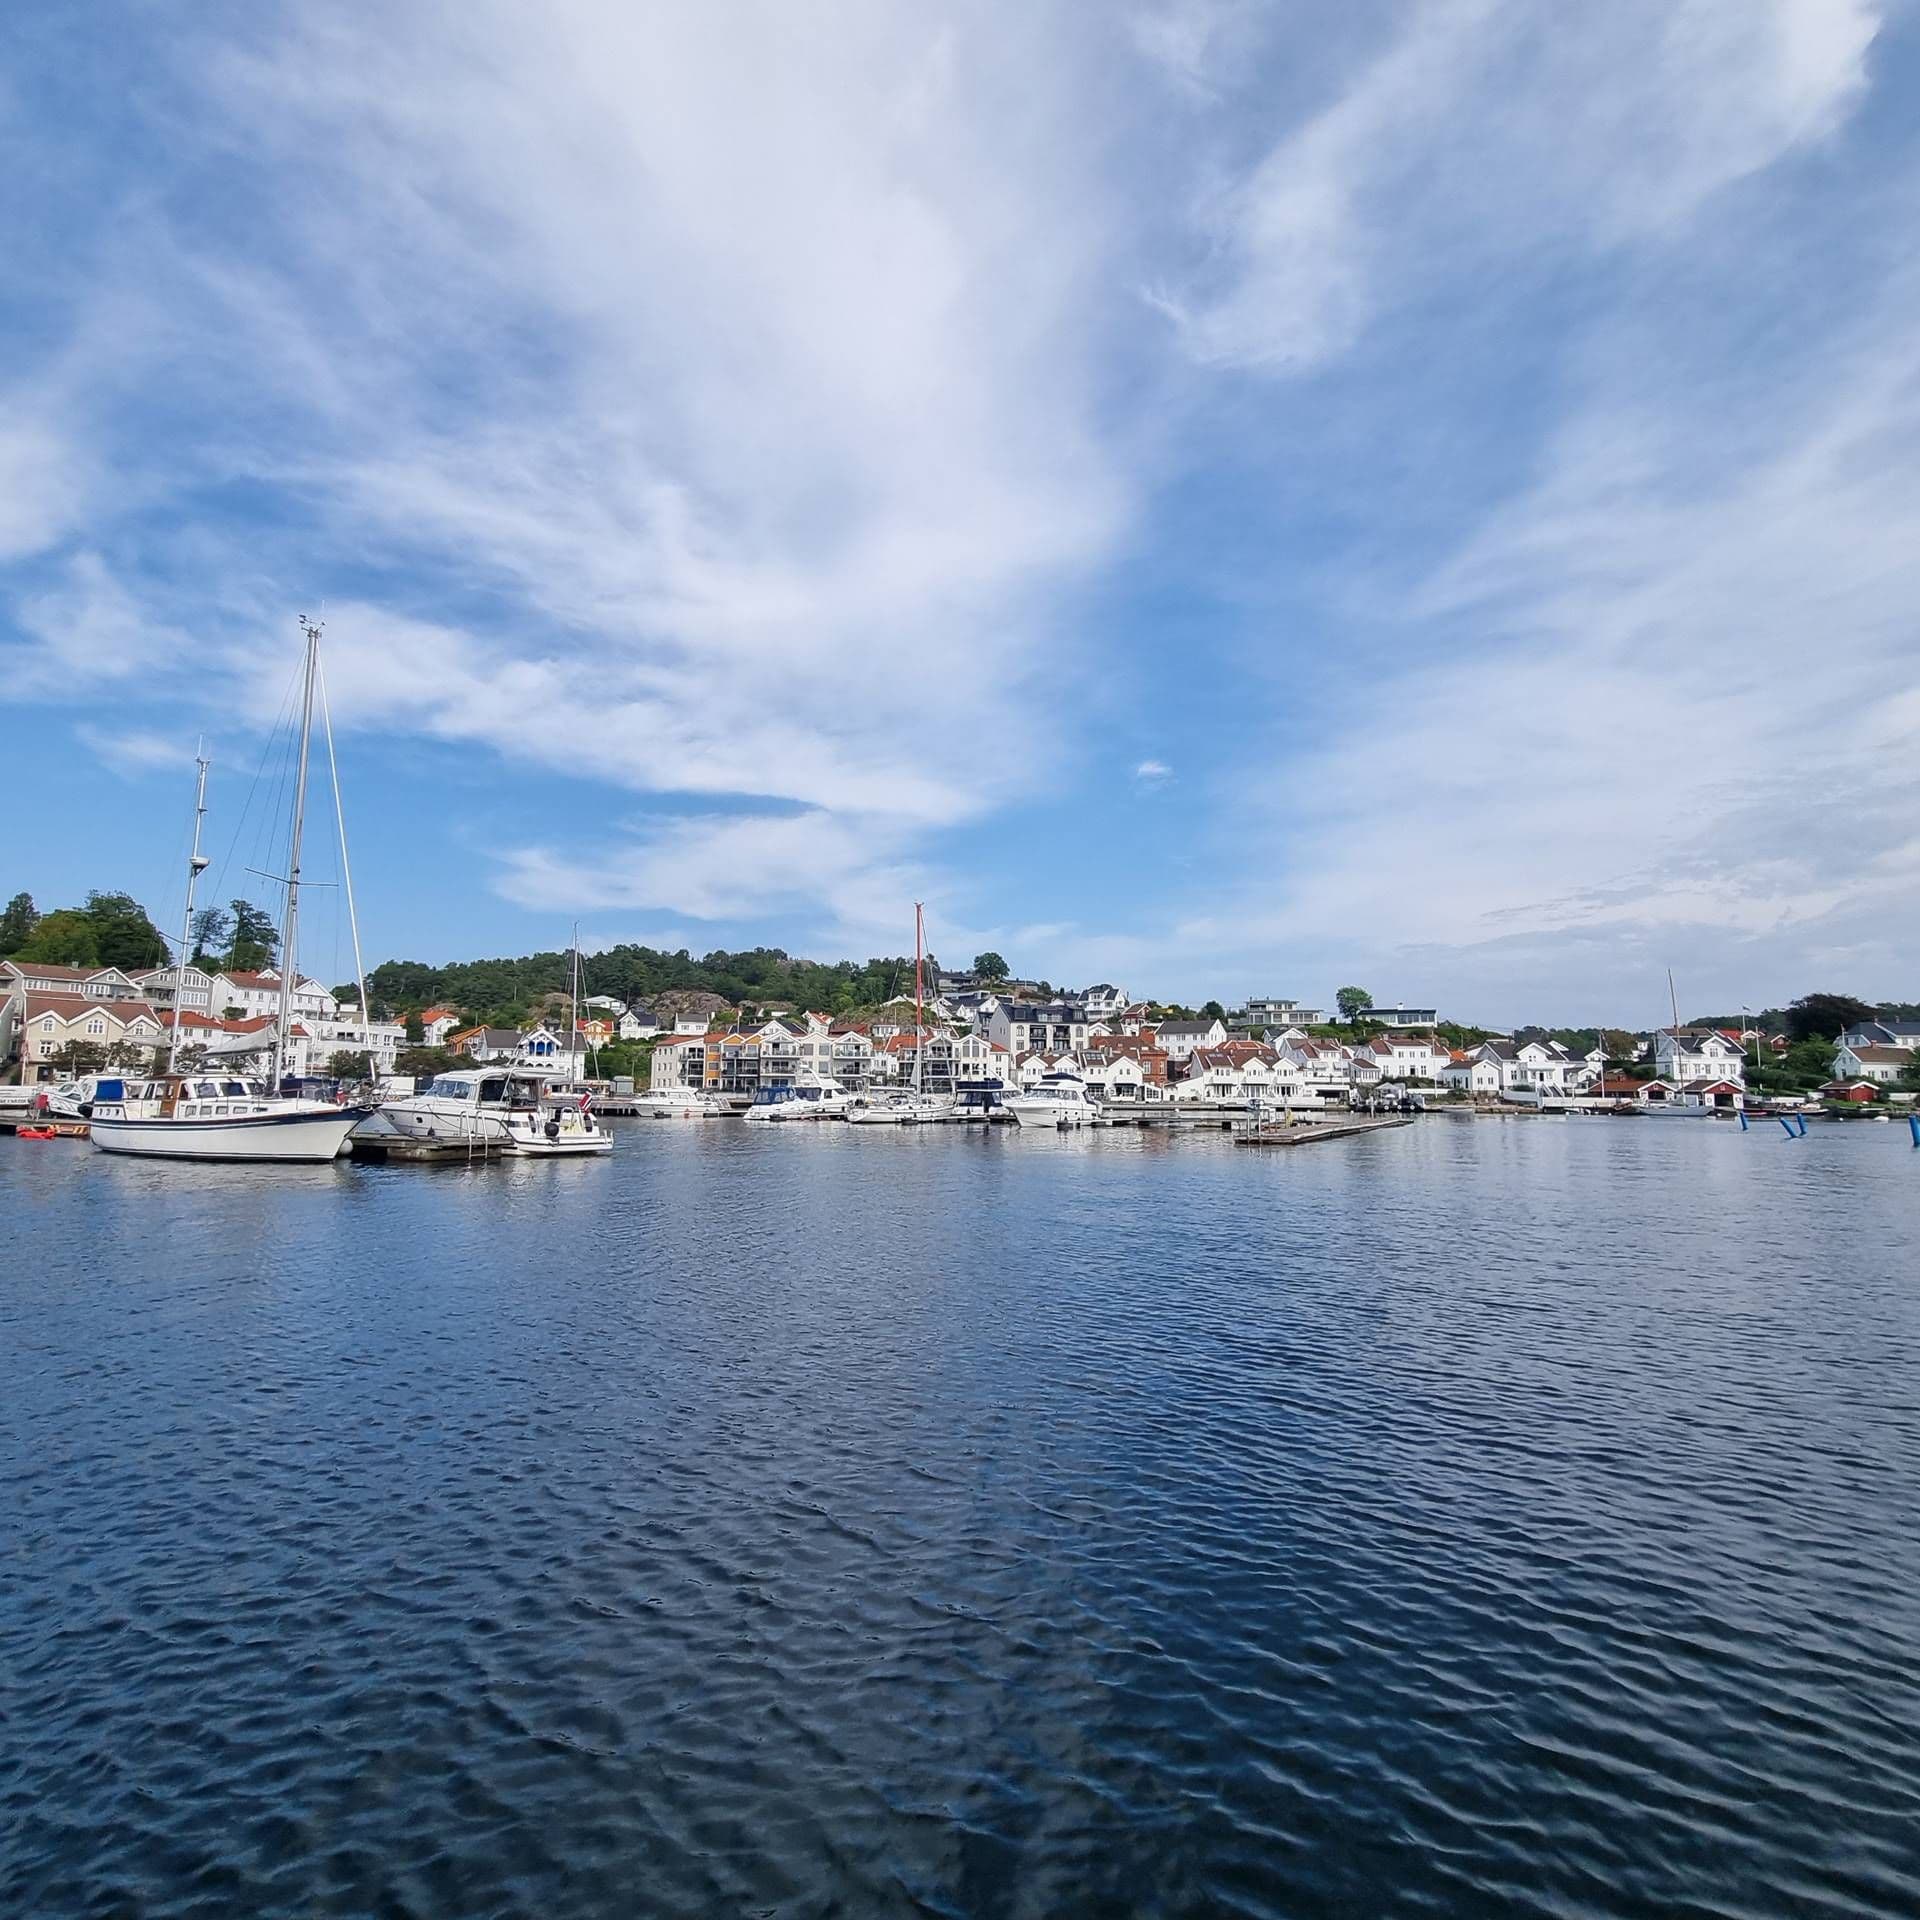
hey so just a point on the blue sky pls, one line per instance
(1222, 497)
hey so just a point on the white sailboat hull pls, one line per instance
(315, 1135)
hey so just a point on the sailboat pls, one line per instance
(213, 1113)
(917, 1108)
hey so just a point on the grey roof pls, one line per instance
(499, 1037)
(1187, 1026)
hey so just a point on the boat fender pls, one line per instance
(553, 1129)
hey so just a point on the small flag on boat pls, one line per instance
(586, 1098)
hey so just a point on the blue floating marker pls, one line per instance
(1786, 1126)
(1802, 1118)
(1743, 1119)
(1913, 1124)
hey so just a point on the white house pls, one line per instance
(1684, 1055)
(1274, 1015)
(1879, 1064)
(1104, 1001)
(1406, 1056)
(195, 993)
(1478, 1073)
(679, 1060)
(1021, 1028)
(249, 995)
(1394, 1016)
(1177, 1039)
(1324, 1068)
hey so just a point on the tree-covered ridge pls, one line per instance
(503, 991)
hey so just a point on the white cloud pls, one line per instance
(43, 485)
(134, 751)
(1487, 131)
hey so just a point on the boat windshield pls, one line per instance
(453, 1086)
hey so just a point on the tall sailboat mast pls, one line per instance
(290, 932)
(197, 864)
(575, 1066)
(919, 993)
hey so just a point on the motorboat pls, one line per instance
(207, 1116)
(72, 1099)
(810, 1097)
(556, 1130)
(1054, 1100)
(466, 1105)
(903, 1110)
(676, 1103)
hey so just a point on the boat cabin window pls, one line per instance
(493, 1091)
(231, 1087)
(206, 1090)
(451, 1087)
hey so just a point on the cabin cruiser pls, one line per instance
(72, 1099)
(210, 1116)
(676, 1103)
(466, 1105)
(809, 1097)
(903, 1110)
(553, 1129)
(1054, 1100)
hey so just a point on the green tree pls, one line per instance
(416, 1028)
(990, 967)
(212, 926)
(17, 923)
(125, 937)
(80, 1056)
(349, 1064)
(1824, 1014)
(65, 938)
(1213, 1010)
(254, 939)
(1352, 1002)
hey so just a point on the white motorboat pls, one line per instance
(211, 1117)
(555, 1131)
(676, 1103)
(1054, 1100)
(560, 1123)
(466, 1106)
(809, 1097)
(73, 1099)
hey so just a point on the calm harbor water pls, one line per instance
(1473, 1519)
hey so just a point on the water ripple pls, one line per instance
(1472, 1521)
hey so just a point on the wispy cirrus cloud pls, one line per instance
(1486, 130)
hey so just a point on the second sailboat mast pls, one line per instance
(290, 933)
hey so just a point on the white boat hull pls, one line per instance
(422, 1118)
(1049, 1115)
(300, 1137)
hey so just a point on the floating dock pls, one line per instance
(1304, 1133)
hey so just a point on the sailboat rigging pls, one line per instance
(209, 1114)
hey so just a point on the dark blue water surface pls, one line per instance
(1473, 1519)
